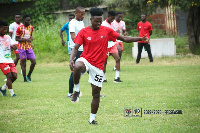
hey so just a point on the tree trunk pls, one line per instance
(193, 26)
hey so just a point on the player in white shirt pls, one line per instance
(12, 33)
(119, 26)
(75, 25)
(7, 65)
(112, 47)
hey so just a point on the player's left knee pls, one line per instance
(14, 77)
(96, 96)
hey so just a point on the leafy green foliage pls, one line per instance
(42, 10)
(86, 3)
(10, 1)
(47, 42)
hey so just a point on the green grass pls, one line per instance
(168, 83)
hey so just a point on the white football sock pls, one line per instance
(76, 87)
(4, 87)
(116, 74)
(92, 117)
(11, 92)
(114, 67)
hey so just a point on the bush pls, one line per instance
(47, 42)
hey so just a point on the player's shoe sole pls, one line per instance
(76, 96)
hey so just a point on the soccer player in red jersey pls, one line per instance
(25, 47)
(145, 28)
(94, 39)
(7, 65)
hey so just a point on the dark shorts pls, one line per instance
(26, 54)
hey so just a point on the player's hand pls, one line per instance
(71, 65)
(118, 31)
(126, 33)
(13, 47)
(63, 42)
(145, 39)
(29, 39)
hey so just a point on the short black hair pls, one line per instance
(118, 13)
(144, 14)
(17, 14)
(26, 15)
(2, 23)
(79, 8)
(71, 15)
(111, 13)
(94, 11)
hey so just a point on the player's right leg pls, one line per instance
(71, 82)
(78, 69)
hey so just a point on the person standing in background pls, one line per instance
(145, 28)
(66, 27)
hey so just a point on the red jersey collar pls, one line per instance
(108, 22)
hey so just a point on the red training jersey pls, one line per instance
(95, 43)
(24, 32)
(144, 29)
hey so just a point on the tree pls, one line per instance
(86, 3)
(42, 10)
(10, 1)
(192, 6)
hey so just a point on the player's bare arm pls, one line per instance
(73, 35)
(61, 36)
(73, 55)
(13, 47)
(132, 39)
(24, 39)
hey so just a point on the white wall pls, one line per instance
(159, 47)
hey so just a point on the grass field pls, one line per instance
(168, 83)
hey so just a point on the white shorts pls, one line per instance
(95, 74)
